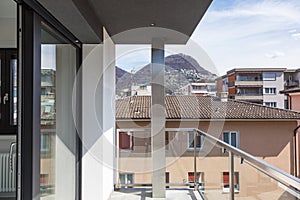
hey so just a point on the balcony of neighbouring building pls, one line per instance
(249, 94)
(248, 79)
(291, 83)
(249, 97)
(249, 83)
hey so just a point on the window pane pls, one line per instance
(226, 137)
(269, 76)
(58, 132)
(122, 178)
(191, 140)
(234, 139)
(198, 142)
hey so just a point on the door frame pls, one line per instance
(31, 15)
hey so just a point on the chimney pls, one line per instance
(223, 96)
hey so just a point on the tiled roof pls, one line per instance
(199, 107)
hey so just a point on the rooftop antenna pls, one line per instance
(132, 74)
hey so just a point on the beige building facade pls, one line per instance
(271, 140)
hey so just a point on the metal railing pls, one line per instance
(291, 182)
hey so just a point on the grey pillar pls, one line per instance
(158, 119)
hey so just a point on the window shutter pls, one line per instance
(166, 138)
(191, 176)
(225, 178)
(124, 140)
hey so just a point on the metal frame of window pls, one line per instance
(190, 146)
(270, 90)
(229, 137)
(126, 178)
(271, 104)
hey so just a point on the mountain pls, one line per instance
(120, 72)
(182, 61)
(181, 69)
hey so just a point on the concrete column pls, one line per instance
(158, 119)
(65, 141)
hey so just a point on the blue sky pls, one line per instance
(239, 33)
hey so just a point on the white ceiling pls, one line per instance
(8, 9)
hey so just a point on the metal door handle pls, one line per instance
(5, 98)
(12, 145)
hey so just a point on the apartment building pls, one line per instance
(141, 89)
(202, 89)
(262, 131)
(256, 85)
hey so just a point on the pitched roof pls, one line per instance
(199, 107)
(292, 90)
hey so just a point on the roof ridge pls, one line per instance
(268, 107)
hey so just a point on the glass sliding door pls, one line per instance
(58, 132)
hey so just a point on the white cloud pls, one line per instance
(274, 54)
(296, 36)
(292, 31)
(130, 57)
(240, 35)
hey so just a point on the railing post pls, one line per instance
(195, 164)
(231, 175)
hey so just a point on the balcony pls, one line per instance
(253, 96)
(291, 83)
(249, 83)
(226, 173)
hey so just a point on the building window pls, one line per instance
(269, 76)
(199, 141)
(271, 104)
(231, 137)
(47, 109)
(225, 184)
(126, 178)
(167, 179)
(167, 140)
(199, 178)
(45, 142)
(270, 91)
(125, 141)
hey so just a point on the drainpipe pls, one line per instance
(295, 151)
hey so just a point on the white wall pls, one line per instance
(108, 114)
(91, 132)
(98, 120)
(279, 85)
(8, 24)
(8, 35)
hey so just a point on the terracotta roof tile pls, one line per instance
(199, 107)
